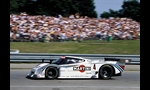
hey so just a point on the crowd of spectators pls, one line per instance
(74, 27)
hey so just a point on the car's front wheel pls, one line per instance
(105, 72)
(51, 73)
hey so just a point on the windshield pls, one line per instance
(58, 61)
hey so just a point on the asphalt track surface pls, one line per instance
(130, 80)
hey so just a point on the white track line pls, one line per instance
(76, 86)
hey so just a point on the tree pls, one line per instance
(13, 6)
(17, 6)
(130, 9)
(86, 7)
(54, 7)
(111, 13)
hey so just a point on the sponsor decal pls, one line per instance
(81, 68)
(118, 67)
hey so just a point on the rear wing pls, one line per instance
(118, 60)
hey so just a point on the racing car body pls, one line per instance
(77, 67)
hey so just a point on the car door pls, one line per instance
(83, 70)
(79, 69)
(66, 67)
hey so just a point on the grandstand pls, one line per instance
(41, 28)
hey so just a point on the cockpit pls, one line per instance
(67, 60)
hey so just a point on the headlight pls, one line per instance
(38, 71)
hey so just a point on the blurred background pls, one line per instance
(76, 21)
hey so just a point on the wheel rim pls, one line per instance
(106, 72)
(51, 73)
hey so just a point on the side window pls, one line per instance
(64, 61)
(79, 60)
(70, 61)
(73, 60)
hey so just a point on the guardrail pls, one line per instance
(37, 57)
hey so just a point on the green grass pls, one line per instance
(86, 47)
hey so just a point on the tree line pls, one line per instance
(54, 7)
(130, 8)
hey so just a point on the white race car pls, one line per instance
(77, 67)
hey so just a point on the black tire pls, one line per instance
(105, 72)
(51, 73)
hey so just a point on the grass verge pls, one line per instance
(131, 47)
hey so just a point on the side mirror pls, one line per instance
(51, 61)
(43, 60)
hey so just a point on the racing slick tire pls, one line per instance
(51, 73)
(105, 72)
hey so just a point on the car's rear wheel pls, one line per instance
(105, 72)
(51, 73)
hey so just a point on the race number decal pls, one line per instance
(81, 68)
